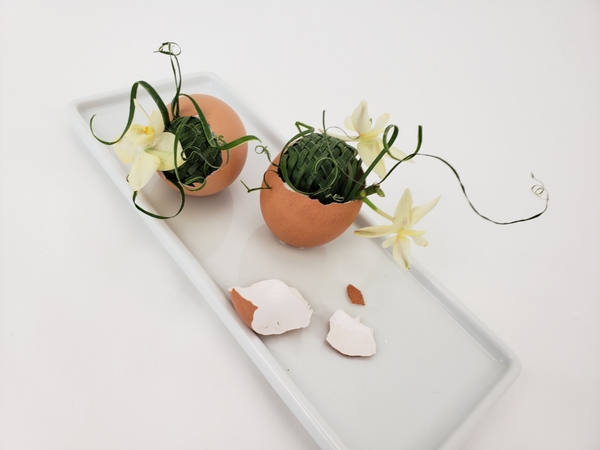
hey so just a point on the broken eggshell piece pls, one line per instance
(355, 295)
(271, 307)
(349, 336)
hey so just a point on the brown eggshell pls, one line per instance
(355, 295)
(243, 307)
(301, 221)
(223, 121)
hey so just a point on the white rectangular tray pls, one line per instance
(437, 369)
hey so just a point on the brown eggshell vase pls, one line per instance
(224, 121)
(298, 220)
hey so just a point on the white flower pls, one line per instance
(148, 148)
(369, 142)
(405, 218)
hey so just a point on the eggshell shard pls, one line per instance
(271, 307)
(355, 295)
(243, 307)
(349, 336)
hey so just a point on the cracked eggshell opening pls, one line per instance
(271, 307)
(349, 336)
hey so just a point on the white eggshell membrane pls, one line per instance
(280, 308)
(349, 336)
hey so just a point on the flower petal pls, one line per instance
(163, 149)
(374, 231)
(380, 123)
(348, 123)
(143, 167)
(389, 241)
(157, 122)
(398, 154)
(361, 119)
(142, 110)
(413, 233)
(140, 135)
(368, 151)
(402, 213)
(420, 241)
(125, 149)
(418, 212)
(401, 252)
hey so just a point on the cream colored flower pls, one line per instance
(405, 218)
(369, 142)
(148, 148)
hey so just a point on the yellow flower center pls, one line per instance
(146, 130)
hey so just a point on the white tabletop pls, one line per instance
(96, 351)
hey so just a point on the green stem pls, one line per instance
(173, 51)
(372, 205)
(539, 190)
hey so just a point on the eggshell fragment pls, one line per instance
(349, 336)
(271, 307)
(355, 295)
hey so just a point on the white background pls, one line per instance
(104, 343)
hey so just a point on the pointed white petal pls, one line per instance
(163, 149)
(139, 135)
(401, 252)
(399, 154)
(402, 213)
(413, 233)
(380, 123)
(361, 119)
(368, 151)
(420, 241)
(418, 212)
(143, 167)
(348, 123)
(142, 110)
(389, 241)
(380, 169)
(374, 231)
(157, 122)
(125, 150)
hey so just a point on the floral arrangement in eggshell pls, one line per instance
(197, 143)
(314, 188)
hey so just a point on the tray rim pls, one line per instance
(260, 355)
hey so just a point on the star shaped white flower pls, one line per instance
(369, 142)
(148, 148)
(405, 218)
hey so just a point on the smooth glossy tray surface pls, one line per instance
(437, 370)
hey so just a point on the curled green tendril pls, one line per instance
(260, 150)
(263, 150)
(173, 51)
(538, 190)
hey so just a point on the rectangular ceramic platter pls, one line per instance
(437, 370)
